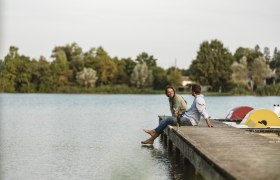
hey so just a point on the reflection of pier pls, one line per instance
(224, 152)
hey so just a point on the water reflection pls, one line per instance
(178, 167)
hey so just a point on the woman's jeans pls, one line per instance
(171, 120)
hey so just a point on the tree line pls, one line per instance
(70, 69)
(247, 68)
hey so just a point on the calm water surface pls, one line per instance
(58, 136)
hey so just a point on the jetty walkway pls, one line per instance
(224, 152)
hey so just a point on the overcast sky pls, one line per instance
(166, 29)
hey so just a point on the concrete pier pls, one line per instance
(224, 152)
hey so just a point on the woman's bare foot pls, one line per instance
(151, 132)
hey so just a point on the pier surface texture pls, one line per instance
(224, 152)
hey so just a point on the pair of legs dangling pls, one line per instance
(169, 120)
(154, 133)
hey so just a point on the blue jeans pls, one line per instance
(171, 120)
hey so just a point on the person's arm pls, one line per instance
(171, 107)
(208, 122)
(179, 105)
(202, 110)
(175, 106)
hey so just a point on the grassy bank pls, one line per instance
(124, 89)
(108, 89)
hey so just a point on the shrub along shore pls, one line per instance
(124, 89)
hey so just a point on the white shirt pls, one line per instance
(197, 109)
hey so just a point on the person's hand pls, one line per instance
(208, 122)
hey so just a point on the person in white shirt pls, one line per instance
(191, 117)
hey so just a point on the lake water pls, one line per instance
(67, 136)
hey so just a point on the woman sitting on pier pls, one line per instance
(177, 103)
(189, 118)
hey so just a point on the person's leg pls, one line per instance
(151, 132)
(186, 122)
(170, 120)
(150, 140)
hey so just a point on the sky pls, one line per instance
(170, 30)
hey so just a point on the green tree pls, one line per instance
(185, 72)
(239, 74)
(60, 69)
(89, 59)
(105, 67)
(1, 65)
(266, 53)
(9, 70)
(260, 71)
(170, 69)
(120, 76)
(212, 65)
(23, 75)
(275, 64)
(42, 75)
(175, 77)
(250, 54)
(129, 66)
(160, 78)
(74, 56)
(146, 58)
(125, 67)
(87, 77)
(141, 77)
(15, 75)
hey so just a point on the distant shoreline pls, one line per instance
(134, 93)
(123, 89)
